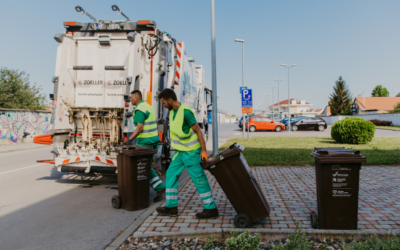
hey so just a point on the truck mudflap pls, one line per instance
(43, 139)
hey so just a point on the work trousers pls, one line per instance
(155, 181)
(190, 160)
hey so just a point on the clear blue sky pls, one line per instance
(357, 39)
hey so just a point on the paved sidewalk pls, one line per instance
(291, 194)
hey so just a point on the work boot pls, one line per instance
(159, 195)
(165, 211)
(208, 214)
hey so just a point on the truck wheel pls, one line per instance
(314, 219)
(278, 129)
(294, 128)
(116, 202)
(252, 129)
(242, 220)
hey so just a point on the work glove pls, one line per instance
(128, 142)
(204, 156)
(128, 114)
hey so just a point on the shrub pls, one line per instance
(296, 241)
(353, 130)
(244, 241)
(381, 123)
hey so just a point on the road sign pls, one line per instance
(247, 101)
(241, 88)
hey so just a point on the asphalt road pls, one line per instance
(41, 208)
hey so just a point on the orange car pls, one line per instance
(264, 123)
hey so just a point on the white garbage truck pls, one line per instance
(98, 64)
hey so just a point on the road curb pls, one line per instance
(388, 129)
(271, 234)
(136, 224)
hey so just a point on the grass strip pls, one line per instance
(389, 127)
(296, 151)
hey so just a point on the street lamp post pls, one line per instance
(214, 82)
(266, 101)
(273, 107)
(242, 41)
(288, 67)
(279, 107)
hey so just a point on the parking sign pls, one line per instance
(247, 101)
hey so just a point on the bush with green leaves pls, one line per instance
(374, 243)
(353, 130)
(243, 241)
(297, 241)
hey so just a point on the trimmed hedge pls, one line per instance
(353, 130)
(381, 123)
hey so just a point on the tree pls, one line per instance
(398, 95)
(340, 100)
(396, 108)
(379, 91)
(17, 92)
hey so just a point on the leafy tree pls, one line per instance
(17, 92)
(341, 99)
(398, 95)
(379, 91)
(396, 108)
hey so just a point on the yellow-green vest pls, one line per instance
(150, 124)
(179, 140)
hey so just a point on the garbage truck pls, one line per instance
(98, 64)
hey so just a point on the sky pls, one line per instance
(358, 40)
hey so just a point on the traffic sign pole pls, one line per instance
(247, 107)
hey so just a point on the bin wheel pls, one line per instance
(242, 220)
(314, 219)
(116, 202)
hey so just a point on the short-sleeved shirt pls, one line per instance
(140, 117)
(188, 120)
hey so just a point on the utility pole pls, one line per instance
(243, 115)
(273, 104)
(214, 83)
(279, 107)
(288, 67)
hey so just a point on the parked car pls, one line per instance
(264, 123)
(308, 122)
(241, 121)
(286, 119)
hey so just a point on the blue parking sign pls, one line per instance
(241, 88)
(247, 98)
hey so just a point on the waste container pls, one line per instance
(337, 175)
(240, 186)
(133, 165)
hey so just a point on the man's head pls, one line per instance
(136, 97)
(167, 97)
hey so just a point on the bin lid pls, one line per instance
(232, 150)
(338, 154)
(134, 150)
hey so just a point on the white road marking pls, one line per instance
(22, 168)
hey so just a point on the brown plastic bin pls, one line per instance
(337, 175)
(240, 186)
(133, 164)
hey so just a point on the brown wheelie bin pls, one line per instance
(133, 165)
(240, 186)
(337, 175)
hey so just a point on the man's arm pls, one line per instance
(138, 130)
(197, 130)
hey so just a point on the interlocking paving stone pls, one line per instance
(291, 195)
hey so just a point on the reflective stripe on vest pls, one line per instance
(150, 125)
(179, 140)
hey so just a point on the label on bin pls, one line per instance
(338, 167)
(340, 193)
(141, 177)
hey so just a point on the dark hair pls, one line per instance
(138, 93)
(167, 94)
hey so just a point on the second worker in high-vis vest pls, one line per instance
(146, 135)
(187, 139)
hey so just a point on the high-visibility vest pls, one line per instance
(150, 125)
(179, 140)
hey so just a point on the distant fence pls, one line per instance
(18, 126)
(393, 117)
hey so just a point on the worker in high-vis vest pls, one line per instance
(187, 139)
(146, 135)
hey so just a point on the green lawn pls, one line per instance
(295, 151)
(389, 127)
